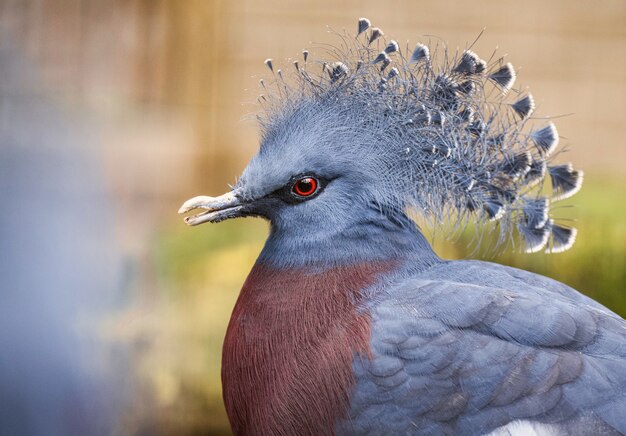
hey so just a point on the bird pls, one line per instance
(349, 322)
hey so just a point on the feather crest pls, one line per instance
(421, 52)
(566, 181)
(535, 238)
(469, 63)
(432, 134)
(562, 238)
(364, 24)
(546, 139)
(524, 106)
(504, 76)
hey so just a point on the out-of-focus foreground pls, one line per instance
(112, 312)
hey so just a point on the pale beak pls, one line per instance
(217, 209)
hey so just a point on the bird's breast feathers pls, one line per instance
(288, 352)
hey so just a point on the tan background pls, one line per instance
(165, 88)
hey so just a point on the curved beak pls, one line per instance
(216, 209)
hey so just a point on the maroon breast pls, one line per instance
(288, 352)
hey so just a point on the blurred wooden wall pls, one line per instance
(171, 84)
(196, 61)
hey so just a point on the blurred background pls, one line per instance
(112, 113)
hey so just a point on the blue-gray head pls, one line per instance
(379, 132)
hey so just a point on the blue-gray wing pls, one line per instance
(457, 358)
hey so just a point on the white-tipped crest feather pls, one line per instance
(504, 76)
(421, 52)
(364, 24)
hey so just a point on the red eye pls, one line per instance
(305, 187)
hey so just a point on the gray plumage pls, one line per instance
(468, 346)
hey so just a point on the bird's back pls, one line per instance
(468, 347)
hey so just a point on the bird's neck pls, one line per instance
(302, 318)
(374, 239)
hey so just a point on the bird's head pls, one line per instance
(382, 131)
(312, 175)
